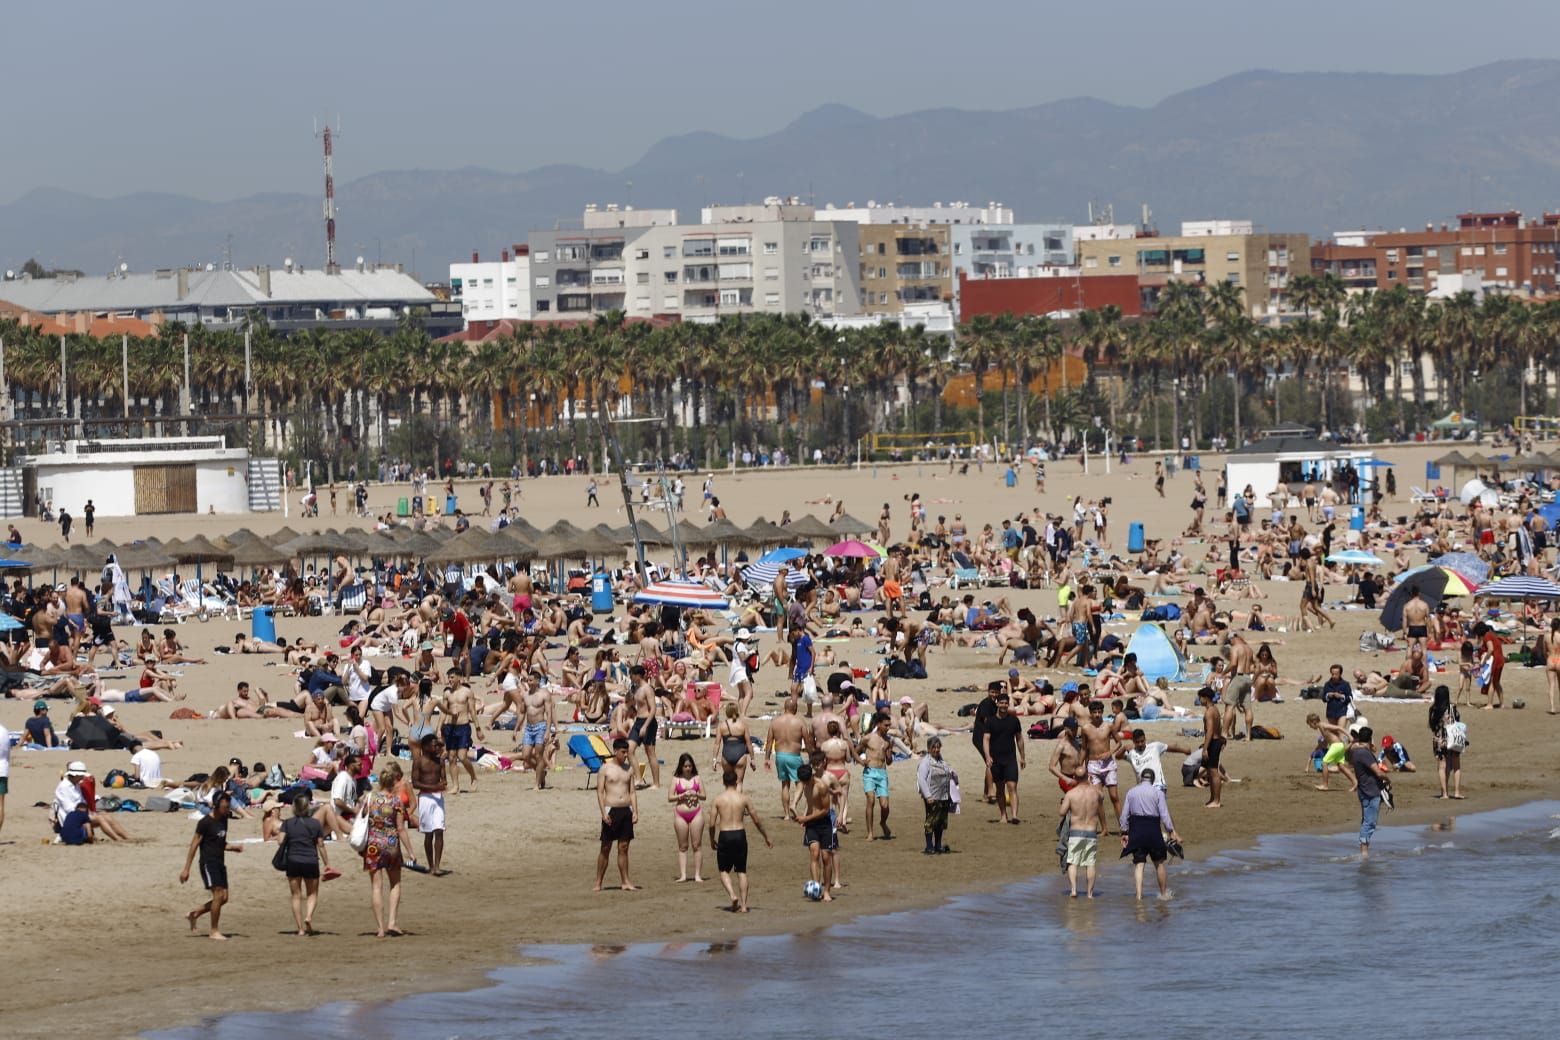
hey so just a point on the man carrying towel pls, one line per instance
(1145, 817)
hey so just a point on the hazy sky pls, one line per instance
(217, 100)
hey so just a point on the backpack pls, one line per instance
(897, 669)
(1266, 733)
(1456, 736)
(916, 670)
(118, 778)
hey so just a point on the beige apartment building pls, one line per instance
(904, 264)
(1261, 263)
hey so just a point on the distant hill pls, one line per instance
(1294, 152)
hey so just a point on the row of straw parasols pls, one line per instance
(244, 549)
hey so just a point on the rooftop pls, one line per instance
(185, 289)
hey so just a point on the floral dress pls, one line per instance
(385, 812)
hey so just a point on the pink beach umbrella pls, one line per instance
(851, 547)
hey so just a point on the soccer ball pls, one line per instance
(812, 890)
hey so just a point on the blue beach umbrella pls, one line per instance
(782, 555)
(1354, 556)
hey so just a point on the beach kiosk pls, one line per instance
(140, 476)
(1285, 458)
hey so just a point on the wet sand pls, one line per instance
(101, 928)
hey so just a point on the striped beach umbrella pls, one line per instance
(1518, 587)
(681, 594)
(761, 575)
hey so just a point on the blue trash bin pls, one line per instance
(1356, 518)
(263, 624)
(449, 505)
(600, 593)
(417, 505)
(1135, 536)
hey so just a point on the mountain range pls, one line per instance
(1304, 152)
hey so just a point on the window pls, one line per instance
(574, 302)
(671, 277)
(1232, 257)
(772, 299)
(509, 281)
(543, 306)
(1478, 250)
(1499, 248)
(1500, 272)
(566, 253)
(771, 248)
(736, 297)
(542, 281)
(642, 278)
(488, 282)
(731, 272)
(1465, 252)
(1391, 275)
(733, 246)
(882, 272)
(958, 248)
(669, 303)
(882, 297)
(641, 303)
(540, 256)
(667, 252)
(1091, 261)
(1115, 261)
(818, 244)
(641, 254)
(1233, 278)
(771, 274)
(698, 247)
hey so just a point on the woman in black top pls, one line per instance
(303, 844)
(1447, 761)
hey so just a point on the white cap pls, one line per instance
(77, 769)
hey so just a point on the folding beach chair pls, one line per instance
(591, 750)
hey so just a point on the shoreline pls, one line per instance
(477, 978)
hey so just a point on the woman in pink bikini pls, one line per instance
(687, 797)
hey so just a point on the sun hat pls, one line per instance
(77, 769)
(744, 633)
(108, 709)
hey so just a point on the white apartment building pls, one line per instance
(770, 257)
(493, 290)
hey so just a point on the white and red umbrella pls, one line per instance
(681, 594)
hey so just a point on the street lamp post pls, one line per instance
(1175, 421)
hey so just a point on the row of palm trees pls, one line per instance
(784, 380)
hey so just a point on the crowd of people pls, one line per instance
(436, 681)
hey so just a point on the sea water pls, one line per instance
(1450, 929)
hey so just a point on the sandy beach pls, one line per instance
(101, 928)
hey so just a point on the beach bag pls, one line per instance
(1266, 733)
(279, 861)
(917, 670)
(358, 839)
(117, 778)
(1456, 736)
(157, 803)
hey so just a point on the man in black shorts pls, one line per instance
(210, 841)
(619, 806)
(1002, 746)
(1213, 745)
(728, 812)
(816, 815)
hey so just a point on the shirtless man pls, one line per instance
(1416, 615)
(728, 836)
(877, 750)
(815, 817)
(784, 744)
(242, 706)
(461, 711)
(619, 808)
(642, 732)
(1083, 805)
(1079, 616)
(1067, 762)
(538, 723)
(1333, 741)
(76, 612)
(243, 644)
(1100, 740)
(1237, 692)
(428, 782)
(1212, 746)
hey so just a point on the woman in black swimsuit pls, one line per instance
(733, 746)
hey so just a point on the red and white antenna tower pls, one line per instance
(330, 198)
